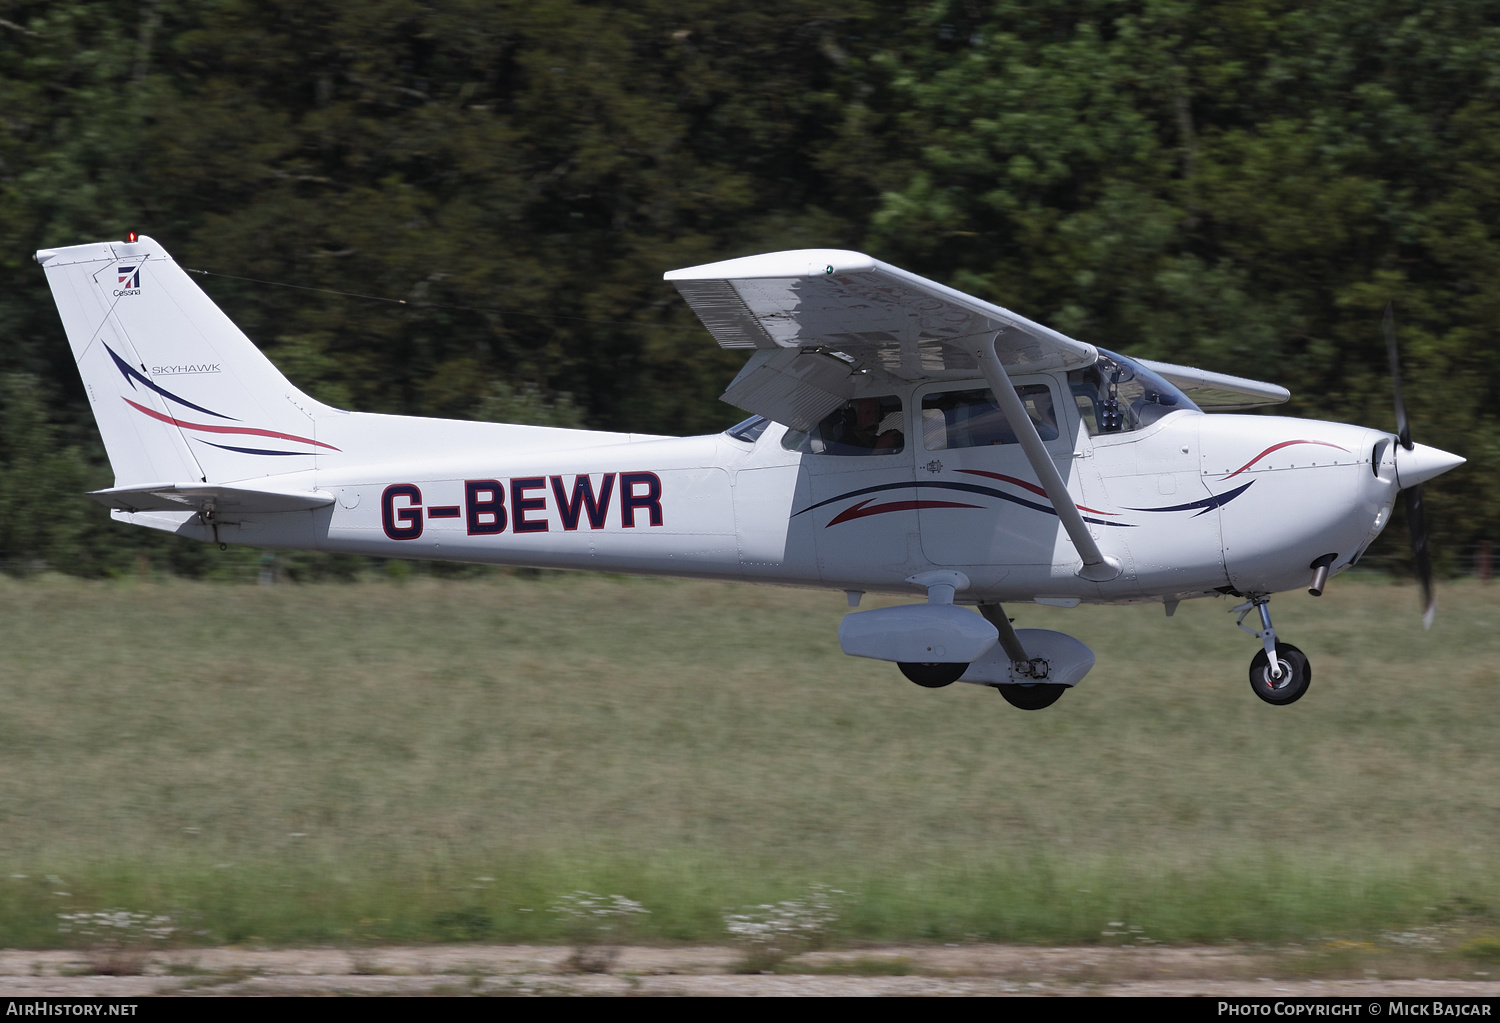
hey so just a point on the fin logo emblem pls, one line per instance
(129, 279)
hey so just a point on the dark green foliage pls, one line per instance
(1238, 184)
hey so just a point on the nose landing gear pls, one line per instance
(1280, 673)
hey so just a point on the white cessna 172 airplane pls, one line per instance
(906, 438)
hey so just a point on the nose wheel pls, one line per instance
(1280, 673)
(1296, 674)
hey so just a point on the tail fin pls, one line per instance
(179, 392)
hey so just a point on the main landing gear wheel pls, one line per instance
(1032, 697)
(1296, 674)
(932, 675)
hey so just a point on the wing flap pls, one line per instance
(792, 386)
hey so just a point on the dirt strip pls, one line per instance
(877, 970)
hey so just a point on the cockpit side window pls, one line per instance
(864, 426)
(1118, 395)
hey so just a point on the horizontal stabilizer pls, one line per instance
(1219, 392)
(203, 497)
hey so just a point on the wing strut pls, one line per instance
(1009, 641)
(1098, 567)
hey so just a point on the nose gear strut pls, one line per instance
(1267, 633)
(1280, 673)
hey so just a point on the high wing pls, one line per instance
(820, 318)
(1219, 392)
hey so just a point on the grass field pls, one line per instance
(430, 760)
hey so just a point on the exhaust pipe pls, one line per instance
(1320, 574)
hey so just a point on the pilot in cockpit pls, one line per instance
(862, 426)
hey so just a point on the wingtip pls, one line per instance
(793, 263)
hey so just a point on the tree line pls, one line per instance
(1235, 184)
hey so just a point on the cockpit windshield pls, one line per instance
(1118, 395)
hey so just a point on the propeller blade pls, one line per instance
(1403, 427)
(1416, 523)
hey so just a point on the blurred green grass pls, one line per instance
(440, 760)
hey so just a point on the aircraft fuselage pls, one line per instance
(1192, 504)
